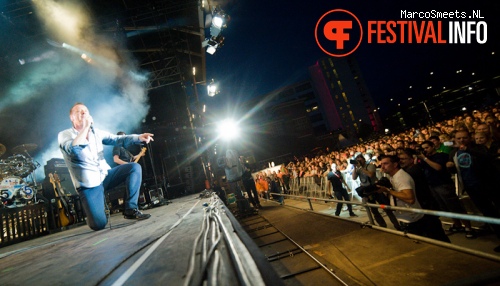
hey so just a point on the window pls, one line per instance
(344, 96)
(352, 115)
(335, 73)
(340, 84)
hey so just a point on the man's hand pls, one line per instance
(88, 121)
(146, 137)
(382, 189)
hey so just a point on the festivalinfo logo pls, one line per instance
(339, 32)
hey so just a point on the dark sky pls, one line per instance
(270, 44)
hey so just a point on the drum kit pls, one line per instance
(14, 190)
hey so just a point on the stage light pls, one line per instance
(211, 49)
(214, 43)
(220, 19)
(228, 129)
(212, 89)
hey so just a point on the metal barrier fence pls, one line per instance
(321, 187)
(23, 223)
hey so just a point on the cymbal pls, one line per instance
(2, 149)
(24, 148)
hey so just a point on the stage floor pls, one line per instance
(157, 250)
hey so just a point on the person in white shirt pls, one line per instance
(402, 194)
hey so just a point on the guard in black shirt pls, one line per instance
(340, 192)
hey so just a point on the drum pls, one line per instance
(14, 192)
(18, 165)
(4, 169)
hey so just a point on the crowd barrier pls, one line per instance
(320, 186)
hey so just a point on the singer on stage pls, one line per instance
(82, 149)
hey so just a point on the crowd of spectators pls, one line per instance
(448, 139)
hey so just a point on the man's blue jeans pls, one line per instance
(93, 198)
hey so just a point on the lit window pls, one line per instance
(344, 96)
(335, 73)
(315, 107)
(340, 84)
(352, 115)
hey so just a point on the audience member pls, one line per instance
(443, 187)
(477, 176)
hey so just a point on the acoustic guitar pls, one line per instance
(66, 215)
(143, 151)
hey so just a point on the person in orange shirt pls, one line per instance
(262, 185)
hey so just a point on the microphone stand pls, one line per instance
(165, 185)
(150, 147)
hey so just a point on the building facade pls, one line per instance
(344, 97)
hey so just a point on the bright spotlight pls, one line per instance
(211, 49)
(228, 129)
(217, 21)
(212, 89)
(220, 19)
(214, 43)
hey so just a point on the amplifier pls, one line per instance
(56, 165)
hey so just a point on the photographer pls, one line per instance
(402, 194)
(367, 177)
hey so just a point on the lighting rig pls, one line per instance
(219, 23)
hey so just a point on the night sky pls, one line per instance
(270, 44)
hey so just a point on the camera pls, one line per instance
(354, 162)
(366, 191)
(384, 182)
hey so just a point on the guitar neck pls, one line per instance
(143, 151)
